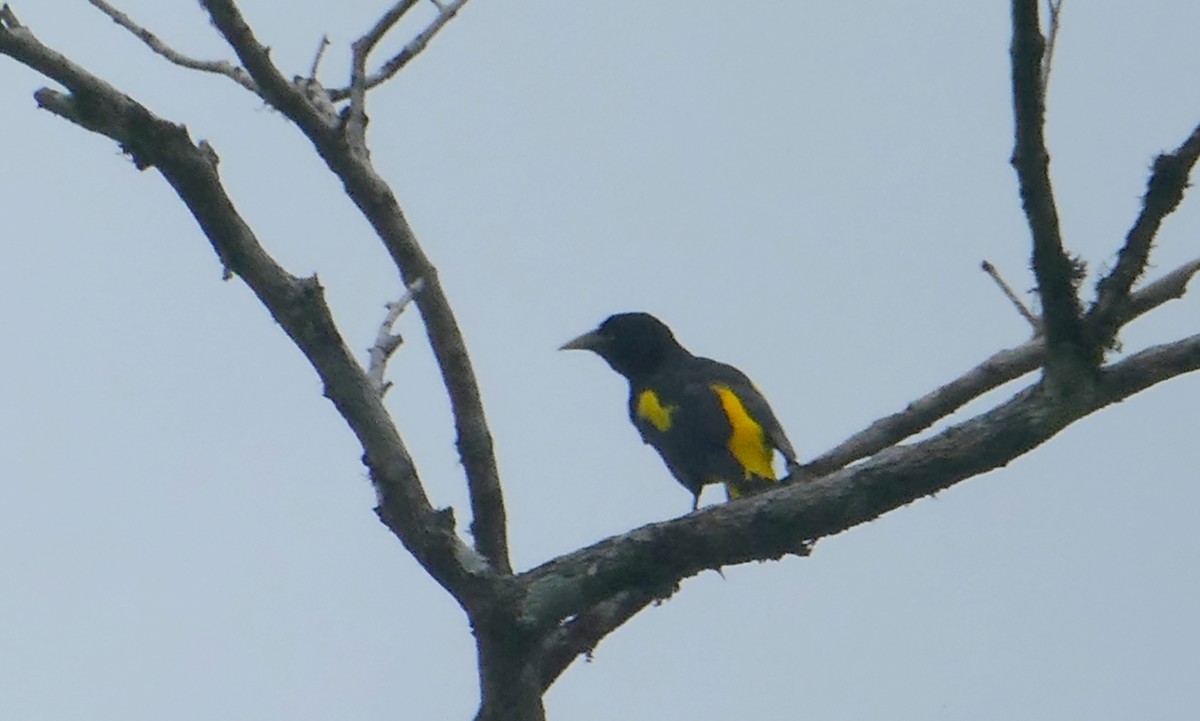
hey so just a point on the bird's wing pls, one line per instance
(756, 405)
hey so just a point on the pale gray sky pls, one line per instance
(802, 189)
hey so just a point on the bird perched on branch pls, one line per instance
(706, 419)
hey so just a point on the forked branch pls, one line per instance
(446, 13)
(347, 156)
(360, 50)
(297, 304)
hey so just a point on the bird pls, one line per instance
(705, 418)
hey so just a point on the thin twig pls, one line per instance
(1027, 314)
(152, 41)
(8, 19)
(1054, 12)
(446, 13)
(386, 342)
(386, 22)
(316, 63)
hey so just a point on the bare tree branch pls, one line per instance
(152, 41)
(297, 304)
(1002, 367)
(385, 23)
(1054, 11)
(1033, 320)
(356, 121)
(1164, 191)
(1057, 275)
(1169, 287)
(446, 13)
(348, 157)
(316, 63)
(580, 635)
(8, 19)
(290, 99)
(386, 342)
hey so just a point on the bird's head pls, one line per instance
(634, 344)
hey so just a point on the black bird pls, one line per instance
(706, 419)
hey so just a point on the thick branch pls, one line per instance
(273, 86)
(297, 304)
(1057, 275)
(349, 159)
(786, 520)
(1164, 191)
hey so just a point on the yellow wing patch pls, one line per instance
(651, 409)
(748, 441)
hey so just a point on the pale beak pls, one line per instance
(588, 341)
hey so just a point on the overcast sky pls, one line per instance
(802, 189)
